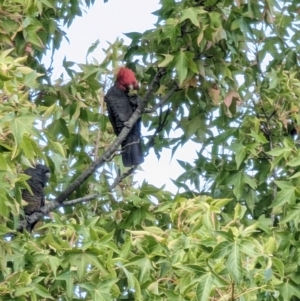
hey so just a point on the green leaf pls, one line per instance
(153, 288)
(215, 19)
(54, 264)
(251, 198)
(286, 195)
(30, 148)
(270, 246)
(240, 153)
(4, 76)
(258, 137)
(42, 292)
(4, 54)
(183, 63)
(101, 291)
(133, 283)
(288, 290)
(106, 238)
(284, 185)
(32, 37)
(56, 146)
(239, 211)
(92, 48)
(278, 151)
(59, 127)
(234, 263)
(296, 175)
(23, 290)
(4, 230)
(204, 287)
(220, 203)
(20, 126)
(235, 24)
(279, 266)
(25, 70)
(294, 162)
(291, 215)
(3, 162)
(191, 13)
(237, 181)
(221, 250)
(48, 3)
(84, 130)
(30, 80)
(50, 110)
(170, 31)
(167, 60)
(68, 277)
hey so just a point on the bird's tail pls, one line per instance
(132, 153)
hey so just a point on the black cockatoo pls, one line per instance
(39, 177)
(121, 104)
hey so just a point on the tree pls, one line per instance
(224, 72)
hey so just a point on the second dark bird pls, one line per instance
(121, 105)
(39, 178)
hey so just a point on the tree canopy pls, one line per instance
(224, 73)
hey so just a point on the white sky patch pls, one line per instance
(107, 22)
(103, 22)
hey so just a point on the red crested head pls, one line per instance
(126, 79)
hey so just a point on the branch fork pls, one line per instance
(60, 200)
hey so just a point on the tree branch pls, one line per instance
(59, 201)
(121, 177)
(160, 104)
(87, 198)
(114, 146)
(50, 207)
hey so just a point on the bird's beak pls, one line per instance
(48, 174)
(130, 87)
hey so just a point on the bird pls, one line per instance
(35, 200)
(122, 100)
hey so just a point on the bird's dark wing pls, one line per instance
(119, 107)
(36, 199)
(132, 153)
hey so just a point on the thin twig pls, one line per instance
(160, 104)
(121, 177)
(87, 198)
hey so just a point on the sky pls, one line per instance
(106, 22)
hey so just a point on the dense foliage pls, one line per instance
(229, 81)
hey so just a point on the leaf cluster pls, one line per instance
(231, 74)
